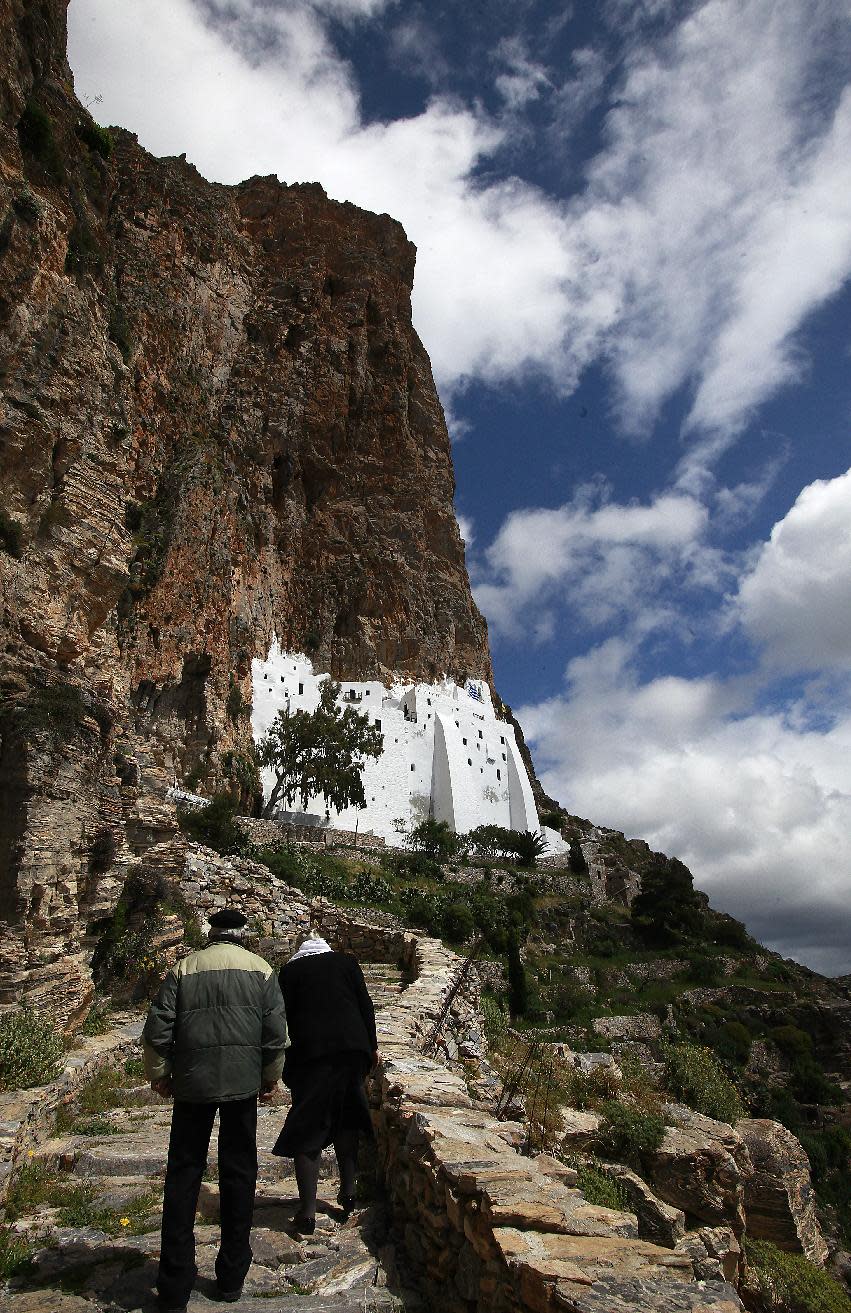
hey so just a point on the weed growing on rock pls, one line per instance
(791, 1282)
(696, 1077)
(629, 1133)
(35, 133)
(98, 139)
(15, 1253)
(599, 1188)
(99, 1020)
(214, 825)
(30, 1049)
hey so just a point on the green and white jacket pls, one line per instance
(217, 1026)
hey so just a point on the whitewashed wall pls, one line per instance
(445, 752)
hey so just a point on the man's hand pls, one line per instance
(267, 1089)
(163, 1087)
(375, 1059)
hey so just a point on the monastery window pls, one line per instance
(367, 692)
(480, 733)
(503, 756)
(428, 700)
(499, 774)
(457, 726)
(377, 723)
(502, 738)
(413, 766)
(464, 741)
(469, 761)
(300, 689)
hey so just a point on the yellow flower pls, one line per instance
(30, 1153)
(124, 1221)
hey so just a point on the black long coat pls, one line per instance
(328, 1009)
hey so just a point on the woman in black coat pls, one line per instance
(333, 1044)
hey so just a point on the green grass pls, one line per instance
(15, 1253)
(37, 1186)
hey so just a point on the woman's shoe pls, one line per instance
(303, 1225)
(347, 1202)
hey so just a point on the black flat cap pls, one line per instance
(228, 919)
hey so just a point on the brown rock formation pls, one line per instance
(218, 425)
(701, 1167)
(779, 1202)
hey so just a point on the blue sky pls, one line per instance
(633, 222)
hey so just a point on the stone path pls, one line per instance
(93, 1219)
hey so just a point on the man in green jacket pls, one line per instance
(214, 1039)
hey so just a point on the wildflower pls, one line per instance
(124, 1221)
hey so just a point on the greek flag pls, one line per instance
(475, 693)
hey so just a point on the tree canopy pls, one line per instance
(319, 753)
(667, 908)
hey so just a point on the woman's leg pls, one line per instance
(346, 1149)
(307, 1179)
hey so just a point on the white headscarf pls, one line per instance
(313, 944)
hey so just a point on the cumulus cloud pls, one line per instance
(759, 810)
(715, 218)
(611, 559)
(796, 600)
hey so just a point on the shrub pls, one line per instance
(526, 845)
(704, 969)
(591, 1089)
(35, 133)
(30, 1049)
(696, 1077)
(84, 254)
(568, 998)
(416, 866)
(552, 820)
(214, 825)
(792, 1042)
(629, 1133)
(733, 1041)
(10, 536)
(434, 839)
(458, 924)
(666, 909)
(791, 1282)
(95, 137)
(600, 1189)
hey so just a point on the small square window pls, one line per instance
(367, 693)
(377, 723)
(300, 689)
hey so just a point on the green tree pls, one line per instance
(518, 989)
(667, 908)
(434, 839)
(319, 753)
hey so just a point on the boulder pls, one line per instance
(657, 1221)
(779, 1202)
(701, 1167)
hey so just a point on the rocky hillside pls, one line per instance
(218, 426)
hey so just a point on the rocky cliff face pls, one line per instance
(218, 425)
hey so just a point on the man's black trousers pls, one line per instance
(191, 1126)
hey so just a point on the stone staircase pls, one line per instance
(94, 1205)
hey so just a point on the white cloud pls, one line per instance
(608, 559)
(757, 808)
(714, 220)
(796, 600)
(524, 79)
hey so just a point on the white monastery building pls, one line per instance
(445, 753)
